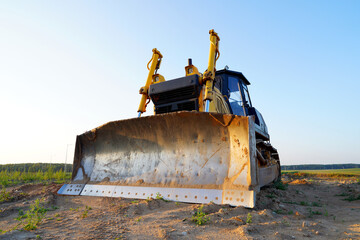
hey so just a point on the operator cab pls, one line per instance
(234, 87)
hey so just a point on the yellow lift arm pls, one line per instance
(209, 74)
(153, 77)
(207, 78)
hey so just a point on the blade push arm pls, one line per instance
(155, 65)
(209, 74)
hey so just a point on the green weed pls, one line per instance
(270, 196)
(283, 212)
(5, 195)
(352, 198)
(33, 217)
(53, 208)
(342, 195)
(199, 216)
(312, 213)
(249, 218)
(158, 196)
(86, 211)
(315, 204)
(280, 185)
(302, 203)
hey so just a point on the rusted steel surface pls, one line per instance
(182, 149)
(187, 150)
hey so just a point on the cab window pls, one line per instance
(247, 101)
(235, 96)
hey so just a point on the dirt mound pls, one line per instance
(299, 181)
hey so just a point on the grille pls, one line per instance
(174, 95)
(189, 105)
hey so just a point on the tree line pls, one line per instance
(319, 166)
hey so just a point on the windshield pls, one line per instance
(235, 96)
(247, 100)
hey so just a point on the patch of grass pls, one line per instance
(342, 195)
(270, 196)
(279, 211)
(315, 204)
(312, 213)
(57, 215)
(21, 213)
(249, 218)
(33, 217)
(86, 211)
(5, 195)
(352, 198)
(280, 185)
(158, 196)
(74, 209)
(283, 212)
(303, 203)
(135, 201)
(138, 219)
(317, 213)
(53, 208)
(199, 216)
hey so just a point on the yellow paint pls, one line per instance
(209, 74)
(155, 65)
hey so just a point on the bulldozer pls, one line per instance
(205, 142)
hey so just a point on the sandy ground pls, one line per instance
(307, 209)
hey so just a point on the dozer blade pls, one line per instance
(185, 156)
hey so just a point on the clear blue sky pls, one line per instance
(69, 66)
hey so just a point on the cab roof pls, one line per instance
(234, 73)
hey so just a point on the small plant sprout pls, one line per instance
(249, 218)
(86, 211)
(159, 197)
(199, 216)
